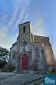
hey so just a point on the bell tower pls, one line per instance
(25, 35)
(25, 30)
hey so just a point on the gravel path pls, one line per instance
(16, 79)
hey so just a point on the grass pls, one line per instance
(31, 81)
(53, 72)
(38, 83)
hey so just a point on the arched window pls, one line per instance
(14, 55)
(37, 52)
(24, 30)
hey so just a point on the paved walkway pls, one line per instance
(16, 79)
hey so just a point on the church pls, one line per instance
(31, 52)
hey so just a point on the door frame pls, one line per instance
(26, 62)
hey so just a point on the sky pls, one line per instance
(41, 13)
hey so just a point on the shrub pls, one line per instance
(11, 68)
(2, 63)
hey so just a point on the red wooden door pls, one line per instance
(24, 61)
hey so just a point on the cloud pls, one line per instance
(13, 18)
(21, 8)
(38, 23)
(39, 29)
(3, 32)
(3, 19)
(20, 16)
(26, 16)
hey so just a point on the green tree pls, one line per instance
(2, 63)
(4, 50)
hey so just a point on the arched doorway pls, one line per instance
(24, 61)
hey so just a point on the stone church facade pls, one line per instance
(31, 52)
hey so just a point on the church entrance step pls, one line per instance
(23, 72)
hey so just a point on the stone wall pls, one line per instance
(11, 59)
(47, 48)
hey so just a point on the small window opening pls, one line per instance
(37, 52)
(24, 29)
